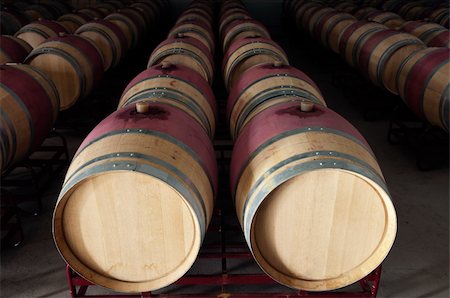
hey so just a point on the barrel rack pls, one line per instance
(218, 254)
(35, 174)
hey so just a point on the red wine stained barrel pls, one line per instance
(187, 51)
(330, 27)
(423, 83)
(109, 38)
(27, 114)
(13, 49)
(37, 32)
(297, 179)
(73, 62)
(230, 16)
(165, 162)
(433, 35)
(176, 85)
(246, 53)
(381, 54)
(265, 85)
(73, 21)
(316, 17)
(239, 29)
(353, 35)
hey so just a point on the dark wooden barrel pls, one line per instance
(151, 12)
(353, 35)
(38, 32)
(106, 8)
(178, 86)
(197, 16)
(187, 51)
(362, 13)
(73, 21)
(230, 16)
(263, 86)
(315, 19)
(423, 83)
(239, 29)
(165, 161)
(92, 12)
(109, 38)
(304, 13)
(13, 49)
(297, 178)
(41, 11)
(11, 21)
(27, 114)
(132, 25)
(246, 53)
(381, 54)
(73, 62)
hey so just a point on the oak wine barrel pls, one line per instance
(248, 52)
(27, 113)
(38, 32)
(265, 85)
(195, 29)
(41, 11)
(133, 29)
(13, 49)
(176, 85)
(73, 62)
(73, 21)
(146, 179)
(423, 81)
(109, 38)
(381, 54)
(311, 198)
(389, 19)
(11, 21)
(187, 51)
(433, 35)
(330, 27)
(239, 29)
(92, 12)
(353, 35)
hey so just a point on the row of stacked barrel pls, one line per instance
(411, 60)
(61, 69)
(309, 193)
(138, 196)
(430, 10)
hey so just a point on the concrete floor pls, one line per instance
(417, 266)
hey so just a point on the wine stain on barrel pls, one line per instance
(152, 113)
(295, 111)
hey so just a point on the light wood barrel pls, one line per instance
(109, 38)
(27, 114)
(389, 19)
(92, 12)
(148, 180)
(178, 86)
(130, 26)
(433, 35)
(249, 52)
(73, 62)
(11, 22)
(197, 30)
(353, 35)
(13, 49)
(73, 21)
(38, 32)
(381, 54)
(187, 51)
(263, 86)
(423, 82)
(239, 29)
(311, 198)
